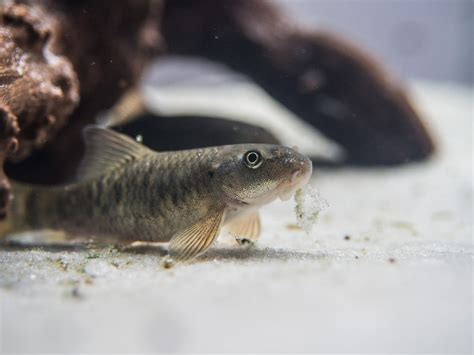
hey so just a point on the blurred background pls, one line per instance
(417, 41)
(422, 39)
(414, 39)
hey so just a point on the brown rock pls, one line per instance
(39, 88)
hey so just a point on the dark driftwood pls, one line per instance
(56, 51)
(180, 132)
(325, 81)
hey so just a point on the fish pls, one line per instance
(128, 192)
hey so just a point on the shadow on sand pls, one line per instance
(217, 253)
(256, 254)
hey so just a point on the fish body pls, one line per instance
(129, 192)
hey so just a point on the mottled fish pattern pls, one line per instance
(129, 192)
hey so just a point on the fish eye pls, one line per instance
(253, 159)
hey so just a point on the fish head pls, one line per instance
(257, 174)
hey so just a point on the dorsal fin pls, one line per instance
(106, 150)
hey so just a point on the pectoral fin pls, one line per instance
(244, 228)
(196, 239)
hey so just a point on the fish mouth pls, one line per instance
(298, 179)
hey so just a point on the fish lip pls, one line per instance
(299, 178)
(286, 191)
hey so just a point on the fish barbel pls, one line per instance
(126, 191)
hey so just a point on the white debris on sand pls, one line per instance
(308, 205)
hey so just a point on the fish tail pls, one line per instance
(15, 219)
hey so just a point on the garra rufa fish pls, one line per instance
(127, 191)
